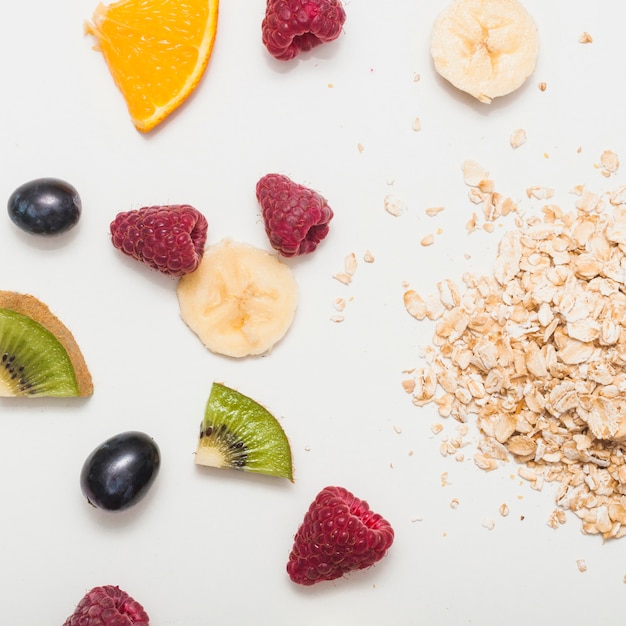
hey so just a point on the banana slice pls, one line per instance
(487, 48)
(240, 301)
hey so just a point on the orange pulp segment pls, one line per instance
(156, 51)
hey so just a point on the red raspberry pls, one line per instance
(291, 26)
(167, 238)
(339, 534)
(296, 217)
(107, 606)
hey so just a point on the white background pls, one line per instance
(210, 547)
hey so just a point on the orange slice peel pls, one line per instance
(156, 51)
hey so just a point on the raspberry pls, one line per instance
(167, 238)
(339, 534)
(291, 26)
(107, 606)
(296, 217)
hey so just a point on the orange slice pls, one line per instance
(156, 51)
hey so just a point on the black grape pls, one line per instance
(45, 206)
(119, 472)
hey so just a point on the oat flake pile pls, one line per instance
(536, 353)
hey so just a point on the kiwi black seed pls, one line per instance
(38, 354)
(238, 433)
(232, 448)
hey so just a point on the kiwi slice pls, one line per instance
(38, 354)
(239, 433)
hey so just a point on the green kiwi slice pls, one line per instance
(239, 433)
(38, 354)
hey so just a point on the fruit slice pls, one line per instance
(240, 301)
(239, 433)
(38, 354)
(487, 48)
(156, 51)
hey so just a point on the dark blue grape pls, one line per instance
(119, 472)
(45, 206)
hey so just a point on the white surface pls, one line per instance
(210, 547)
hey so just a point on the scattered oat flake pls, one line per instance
(473, 173)
(471, 224)
(609, 161)
(394, 205)
(417, 124)
(581, 565)
(476, 196)
(368, 257)
(339, 304)
(415, 304)
(408, 385)
(504, 510)
(360, 147)
(397, 429)
(486, 186)
(543, 86)
(540, 193)
(517, 138)
(557, 518)
(585, 38)
(343, 277)
(434, 210)
(483, 192)
(488, 523)
(454, 503)
(350, 263)
(427, 240)
(485, 462)
(337, 318)
(416, 78)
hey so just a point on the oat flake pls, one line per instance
(394, 205)
(535, 354)
(517, 138)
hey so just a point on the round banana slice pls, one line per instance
(240, 301)
(487, 48)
